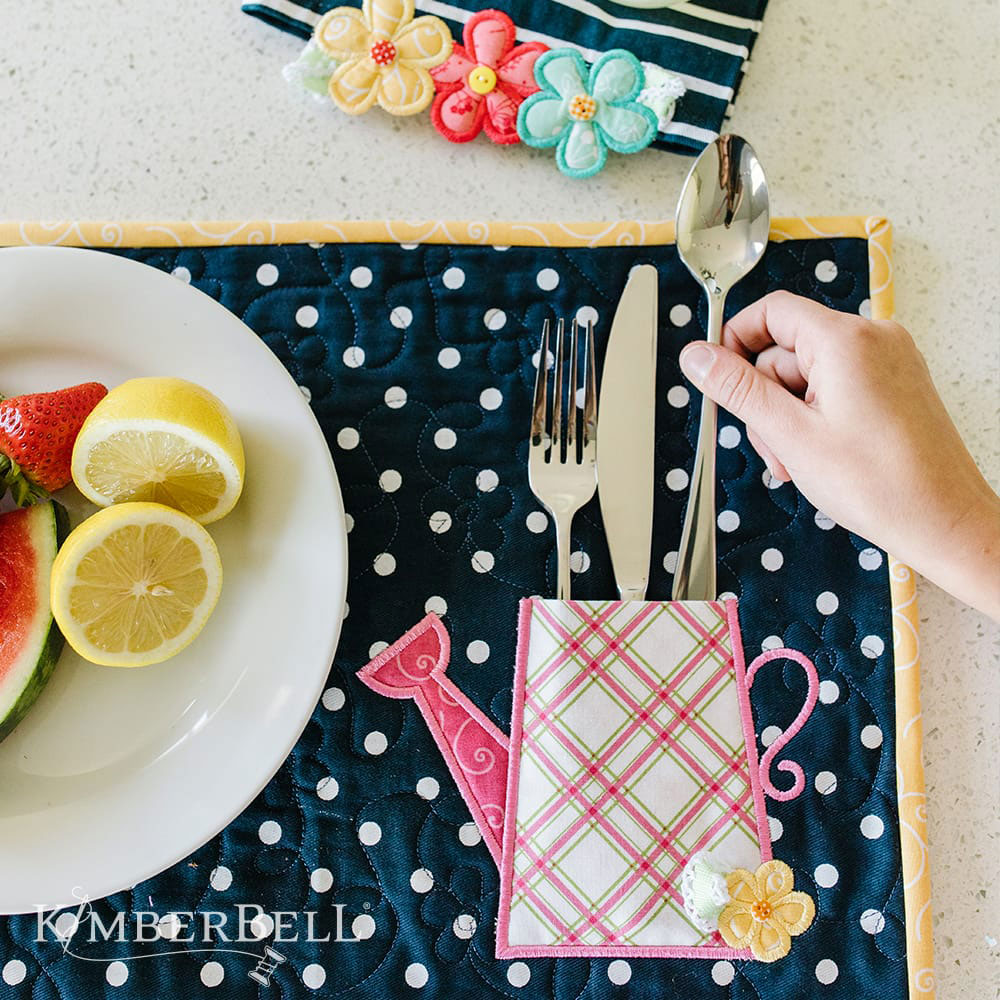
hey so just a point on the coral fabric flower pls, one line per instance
(484, 82)
(383, 55)
(764, 912)
(586, 115)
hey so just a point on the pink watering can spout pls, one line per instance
(401, 670)
(474, 748)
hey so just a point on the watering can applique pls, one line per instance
(626, 810)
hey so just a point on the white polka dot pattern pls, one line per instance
(827, 971)
(307, 317)
(117, 973)
(826, 876)
(680, 315)
(677, 480)
(829, 692)
(453, 278)
(361, 277)
(369, 834)
(449, 357)
(678, 396)
(422, 881)
(488, 373)
(428, 788)
(14, 972)
(267, 274)
(723, 973)
(619, 972)
(269, 832)
(547, 279)
(469, 834)
(518, 974)
(314, 976)
(416, 975)
(826, 271)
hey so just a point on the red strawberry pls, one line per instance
(37, 433)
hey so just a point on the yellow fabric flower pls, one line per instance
(383, 54)
(764, 913)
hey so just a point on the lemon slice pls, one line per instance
(134, 584)
(162, 440)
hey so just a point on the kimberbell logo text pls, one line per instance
(85, 934)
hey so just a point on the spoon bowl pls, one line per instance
(723, 216)
(723, 221)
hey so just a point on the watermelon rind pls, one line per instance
(49, 530)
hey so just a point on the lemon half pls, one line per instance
(134, 584)
(163, 440)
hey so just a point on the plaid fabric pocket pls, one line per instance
(632, 750)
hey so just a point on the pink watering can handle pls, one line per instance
(791, 766)
(474, 748)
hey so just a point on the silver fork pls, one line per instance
(562, 468)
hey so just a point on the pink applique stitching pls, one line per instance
(482, 84)
(749, 736)
(791, 766)
(513, 776)
(474, 748)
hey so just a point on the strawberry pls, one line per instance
(37, 433)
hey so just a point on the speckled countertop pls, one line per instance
(115, 109)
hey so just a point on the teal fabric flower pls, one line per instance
(586, 115)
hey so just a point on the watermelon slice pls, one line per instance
(30, 642)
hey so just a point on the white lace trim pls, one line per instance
(662, 91)
(702, 878)
(311, 72)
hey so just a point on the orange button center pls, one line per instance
(583, 107)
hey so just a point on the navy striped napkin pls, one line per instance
(706, 43)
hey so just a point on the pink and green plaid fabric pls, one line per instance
(632, 759)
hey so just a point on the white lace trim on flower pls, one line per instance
(703, 886)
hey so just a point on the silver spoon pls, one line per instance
(723, 218)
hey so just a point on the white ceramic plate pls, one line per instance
(116, 774)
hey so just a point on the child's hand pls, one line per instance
(845, 407)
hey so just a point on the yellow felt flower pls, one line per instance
(764, 913)
(383, 55)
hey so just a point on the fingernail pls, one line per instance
(696, 362)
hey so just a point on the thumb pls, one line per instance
(760, 402)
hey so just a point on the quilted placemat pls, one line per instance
(415, 345)
(707, 43)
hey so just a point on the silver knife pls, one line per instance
(625, 440)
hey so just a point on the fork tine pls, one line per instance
(589, 390)
(557, 401)
(571, 407)
(540, 404)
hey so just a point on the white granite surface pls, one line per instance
(117, 109)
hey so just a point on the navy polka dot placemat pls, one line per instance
(418, 364)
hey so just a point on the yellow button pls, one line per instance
(482, 80)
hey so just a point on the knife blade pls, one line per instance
(625, 438)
